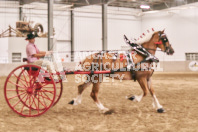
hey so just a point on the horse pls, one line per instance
(158, 40)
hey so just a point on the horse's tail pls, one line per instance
(87, 61)
(82, 62)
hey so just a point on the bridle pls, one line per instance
(162, 40)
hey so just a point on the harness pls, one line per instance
(128, 56)
(98, 59)
(143, 51)
(130, 63)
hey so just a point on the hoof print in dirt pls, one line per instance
(71, 102)
(161, 110)
(109, 112)
(131, 98)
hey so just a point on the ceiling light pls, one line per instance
(145, 6)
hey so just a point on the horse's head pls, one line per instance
(162, 42)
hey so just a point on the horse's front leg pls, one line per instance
(143, 84)
(135, 98)
(156, 103)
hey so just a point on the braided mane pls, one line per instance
(146, 37)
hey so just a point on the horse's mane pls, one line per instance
(146, 37)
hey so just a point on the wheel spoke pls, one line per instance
(45, 85)
(43, 90)
(48, 87)
(31, 81)
(40, 102)
(45, 96)
(30, 106)
(25, 77)
(34, 83)
(19, 101)
(16, 84)
(29, 75)
(14, 90)
(35, 104)
(24, 104)
(16, 95)
(19, 79)
(31, 102)
(23, 80)
(51, 92)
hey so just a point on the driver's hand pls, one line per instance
(48, 52)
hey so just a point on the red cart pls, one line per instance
(31, 91)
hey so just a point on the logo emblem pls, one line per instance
(193, 66)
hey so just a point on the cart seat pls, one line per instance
(27, 68)
(33, 68)
(25, 60)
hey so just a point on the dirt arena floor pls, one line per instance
(177, 92)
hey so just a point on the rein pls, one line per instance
(153, 49)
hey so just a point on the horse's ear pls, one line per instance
(163, 30)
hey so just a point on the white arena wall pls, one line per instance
(10, 45)
(180, 26)
(87, 25)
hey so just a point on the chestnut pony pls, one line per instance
(107, 60)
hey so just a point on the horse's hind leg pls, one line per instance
(156, 103)
(81, 88)
(94, 95)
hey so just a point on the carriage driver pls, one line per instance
(33, 55)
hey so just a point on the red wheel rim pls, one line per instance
(59, 90)
(23, 94)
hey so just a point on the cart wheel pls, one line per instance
(59, 90)
(26, 91)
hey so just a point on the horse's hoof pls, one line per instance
(161, 110)
(131, 98)
(71, 102)
(109, 112)
(103, 111)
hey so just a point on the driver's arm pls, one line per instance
(39, 55)
(42, 52)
